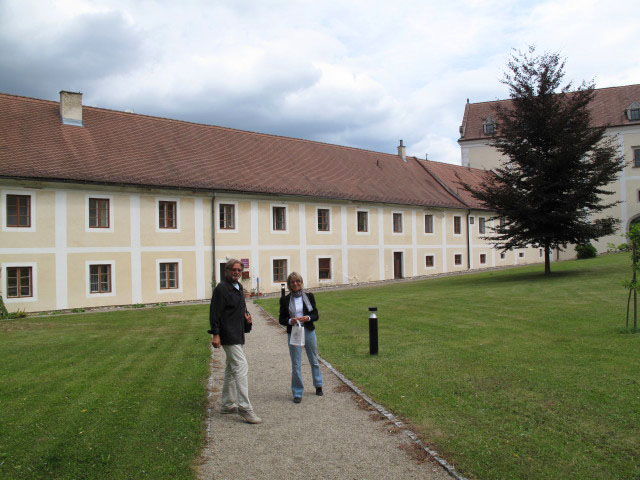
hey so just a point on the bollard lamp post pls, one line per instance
(373, 331)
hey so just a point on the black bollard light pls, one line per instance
(373, 331)
(282, 291)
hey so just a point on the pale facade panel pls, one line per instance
(40, 233)
(42, 294)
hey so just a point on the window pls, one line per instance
(324, 268)
(98, 213)
(100, 278)
(227, 216)
(397, 223)
(636, 157)
(521, 254)
(19, 211)
(428, 224)
(167, 214)
(482, 225)
(323, 220)
(489, 126)
(168, 275)
(457, 259)
(502, 256)
(483, 259)
(633, 112)
(472, 220)
(279, 271)
(457, 225)
(429, 261)
(541, 251)
(363, 221)
(279, 218)
(19, 282)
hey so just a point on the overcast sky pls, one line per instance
(357, 73)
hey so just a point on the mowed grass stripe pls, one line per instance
(508, 373)
(105, 395)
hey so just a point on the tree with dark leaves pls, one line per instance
(556, 166)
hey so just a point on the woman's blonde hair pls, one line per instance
(294, 276)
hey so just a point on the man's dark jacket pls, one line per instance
(313, 313)
(226, 314)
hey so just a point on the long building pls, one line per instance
(616, 108)
(102, 207)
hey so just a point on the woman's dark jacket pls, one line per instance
(284, 312)
(226, 314)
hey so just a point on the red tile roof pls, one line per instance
(607, 109)
(124, 148)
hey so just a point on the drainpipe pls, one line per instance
(468, 241)
(213, 239)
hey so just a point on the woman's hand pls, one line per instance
(302, 319)
(247, 317)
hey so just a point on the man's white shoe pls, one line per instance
(225, 410)
(249, 416)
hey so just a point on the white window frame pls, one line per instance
(482, 221)
(433, 225)
(434, 261)
(167, 290)
(279, 257)
(321, 232)
(486, 258)
(461, 259)
(178, 215)
(87, 278)
(89, 229)
(34, 282)
(286, 219)
(324, 280)
(235, 216)
(365, 210)
(401, 213)
(32, 212)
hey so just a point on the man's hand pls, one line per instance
(215, 341)
(247, 317)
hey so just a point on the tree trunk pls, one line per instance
(547, 260)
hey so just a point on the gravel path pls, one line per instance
(336, 436)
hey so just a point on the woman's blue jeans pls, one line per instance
(311, 347)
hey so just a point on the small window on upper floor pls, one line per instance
(363, 221)
(482, 225)
(397, 223)
(19, 211)
(636, 157)
(457, 225)
(98, 213)
(167, 214)
(489, 126)
(279, 215)
(227, 216)
(428, 224)
(324, 222)
(633, 112)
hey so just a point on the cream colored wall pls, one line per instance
(152, 235)
(79, 235)
(481, 155)
(360, 238)
(241, 235)
(364, 265)
(151, 276)
(43, 236)
(43, 283)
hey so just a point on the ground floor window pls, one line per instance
(521, 254)
(457, 259)
(429, 261)
(324, 268)
(168, 275)
(100, 278)
(483, 258)
(279, 271)
(19, 282)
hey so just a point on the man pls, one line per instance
(229, 321)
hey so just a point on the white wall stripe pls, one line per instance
(136, 257)
(345, 254)
(444, 244)
(414, 241)
(199, 234)
(255, 250)
(62, 295)
(303, 240)
(381, 242)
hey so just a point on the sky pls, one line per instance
(363, 74)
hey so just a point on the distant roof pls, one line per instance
(130, 149)
(607, 109)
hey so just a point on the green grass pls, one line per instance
(117, 395)
(509, 374)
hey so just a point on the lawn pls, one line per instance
(508, 374)
(117, 395)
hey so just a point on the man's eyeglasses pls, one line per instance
(236, 270)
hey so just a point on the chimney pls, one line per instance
(71, 108)
(402, 152)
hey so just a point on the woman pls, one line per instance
(299, 307)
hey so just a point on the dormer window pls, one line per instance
(633, 112)
(489, 126)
